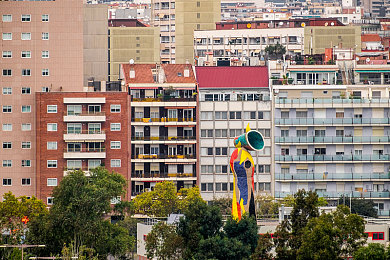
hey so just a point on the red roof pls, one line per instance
(232, 77)
(371, 38)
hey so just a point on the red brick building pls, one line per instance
(80, 130)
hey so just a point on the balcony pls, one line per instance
(331, 158)
(324, 176)
(164, 99)
(163, 121)
(162, 176)
(163, 139)
(333, 140)
(85, 100)
(84, 136)
(332, 121)
(188, 158)
(96, 153)
(86, 117)
(85, 170)
(336, 195)
(329, 102)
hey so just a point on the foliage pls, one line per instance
(332, 236)
(12, 210)
(275, 50)
(77, 216)
(244, 230)
(164, 200)
(267, 207)
(164, 243)
(264, 247)
(360, 206)
(372, 251)
(224, 204)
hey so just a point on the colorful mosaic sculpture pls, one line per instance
(243, 168)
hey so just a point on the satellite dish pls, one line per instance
(332, 23)
(357, 58)
(131, 61)
(368, 60)
(303, 24)
(326, 24)
(280, 23)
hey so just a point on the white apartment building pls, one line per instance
(230, 98)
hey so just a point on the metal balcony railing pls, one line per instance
(161, 175)
(334, 194)
(84, 132)
(333, 139)
(163, 156)
(84, 150)
(164, 99)
(333, 158)
(330, 176)
(332, 101)
(86, 113)
(331, 121)
(163, 119)
(163, 138)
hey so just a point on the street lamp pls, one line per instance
(22, 247)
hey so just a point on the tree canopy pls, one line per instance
(362, 207)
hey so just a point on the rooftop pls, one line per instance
(371, 38)
(232, 77)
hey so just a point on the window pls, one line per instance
(339, 133)
(51, 181)
(51, 163)
(7, 109)
(301, 133)
(115, 144)
(26, 18)
(235, 115)
(319, 151)
(26, 109)
(301, 114)
(284, 133)
(26, 181)
(285, 151)
(26, 90)
(93, 128)
(26, 72)
(93, 164)
(7, 182)
(45, 36)
(220, 115)
(45, 89)
(7, 54)
(51, 145)
(26, 163)
(7, 145)
(26, 127)
(45, 18)
(26, 145)
(264, 115)
(45, 54)
(302, 151)
(221, 151)
(74, 109)
(93, 109)
(45, 72)
(203, 186)
(7, 91)
(319, 133)
(26, 54)
(210, 186)
(249, 115)
(26, 36)
(7, 127)
(7, 36)
(51, 108)
(115, 126)
(115, 108)
(7, 163)
(52, 127)
(7, 18)
(74, 164)
(378, 236)
(7, 72)
(285, 114)
(50, 200)
(206, 115)
(115, 163)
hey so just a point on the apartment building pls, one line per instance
(333, 139)
(80, 130)
(177, 20)
(163, 124)
(130, 39)
(41, 50)
(230, 98)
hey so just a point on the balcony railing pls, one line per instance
(84, 132)
(164, 119)
(335, 158)
(163, 99)
(331, 121)
(86, 113)
(330, 176)
(383, 213)
(162, 175)
(332, 101)
(335, 194)
(163, 138)
(163, 156)
(333, 139)
(84, 150)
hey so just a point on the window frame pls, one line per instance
(49, 107)
(6, 34)
(44, 19)
(26, 144)
(5, 20)
(54, 180)
(23, 34)
(114, 108)
(27, 181)
(114, 125)
(23, 18)
(52, 125)
(51, 143)
(113, 161)
(114, 145)
(51, 164)
(6, 54)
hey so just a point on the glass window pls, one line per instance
(7, 91)
(115, 144)
(7, 127)
(93, 164)
(7, 18)
(115, 126)
(26, 72)
(26, 90)
(45, 72)
(7, 109)
(26, 54)
(74, 164)
(50, 201)
(26, 109)
(45, 36)
(51, 108)
(45, 54)
(7, 36)
(115, 163)
(26, 18)
(7, 145)
(51, 181)
(45, 18)
(51, 145)
(26, 145)
(26, 163)
(26, 181)
(74, 128)
(52, 127)
(74, 109)
(7, 182)
(51, 163)
(26, 36)
(7, 54)
(26, 127)
(115, 108)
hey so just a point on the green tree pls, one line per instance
(224, 204)
(164, 243)
(372, 251)
(267, 206)
(336, 235)
(362, 207)
(275, 50)
(76, 218)
(263, 249)
(244, 231)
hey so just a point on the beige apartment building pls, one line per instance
(177, 20)
(41, 50)
(132, 41)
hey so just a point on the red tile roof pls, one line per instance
(232, 77)
(174, 73)
(371, 38)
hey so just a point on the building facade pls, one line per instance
(163, 124)
(42, 50)
(80, 130)
(230, 98)
(177, 20)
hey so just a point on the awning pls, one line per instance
(136, 87)
(178, 107)
(179, 125)
(180, 162)
(378, 71)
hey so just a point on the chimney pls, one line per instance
(132, 73)
(186, 72)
